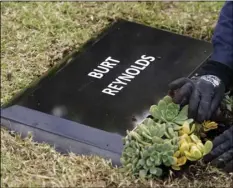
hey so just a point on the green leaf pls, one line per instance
(175, 147)
(155, 112)
(167, 163)
(145, 154)
(162, 105)
(171, 160)
(170, 153)
(141, 162)
(183, 115)
(157, 160)
(208, 147)
(154, 132)
(129, 150)
(176, 127)
(149, 162)
(122, 160)
(171, 132)
(145, 135)
(195, 138)
(152, 159)
(142, 173)
(135, 161)
(128, 166)
(173, 108)
(161, 130)
(164, 158)
(166, 147)
(175, 140)
(189, 121)
(167, 99)
(157, 140)
(148, 122)
(146, 167)
(170, 115)
(167, 135)
(156, 171)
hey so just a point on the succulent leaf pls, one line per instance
(154, 111)
(149, 162)
(157, 140)
(193, 128)
(195, 138)
(176, 127)
(157, 161)
(167, 99)
(177, 154)
(144, 128)
(209, 125)
(195, 152)
(184, 147)
(162, 105)
(201, 147)
(181, 161)
(174, 167)
(161, 130)
(171, 132)
(183, 113)
(186, 128)
(172, 111)
(207, 147)
(156, 171)
(142, 173)
(141, 162)
(171, 160)
(189, 156)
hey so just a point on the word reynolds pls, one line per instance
(121, 81)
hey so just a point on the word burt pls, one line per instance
(103, 68)
(129, 74)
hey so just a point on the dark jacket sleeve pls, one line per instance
(223, 36)
(221, 61)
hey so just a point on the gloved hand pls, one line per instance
(202, 93)
(221, 155)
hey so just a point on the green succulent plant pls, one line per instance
(147, 148)
(168, 111)
(154, 156)
(166, 140)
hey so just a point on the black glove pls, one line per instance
(202, 93)
(221, 155)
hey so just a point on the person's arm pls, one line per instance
(223, 37)
(205, 90)
(221, 61)
(221, 65)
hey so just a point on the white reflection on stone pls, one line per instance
(59, 111)
(140, 118)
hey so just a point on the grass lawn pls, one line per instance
(35, 36)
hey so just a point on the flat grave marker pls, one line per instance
(86, 104)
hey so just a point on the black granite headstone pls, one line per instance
(86, 104)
